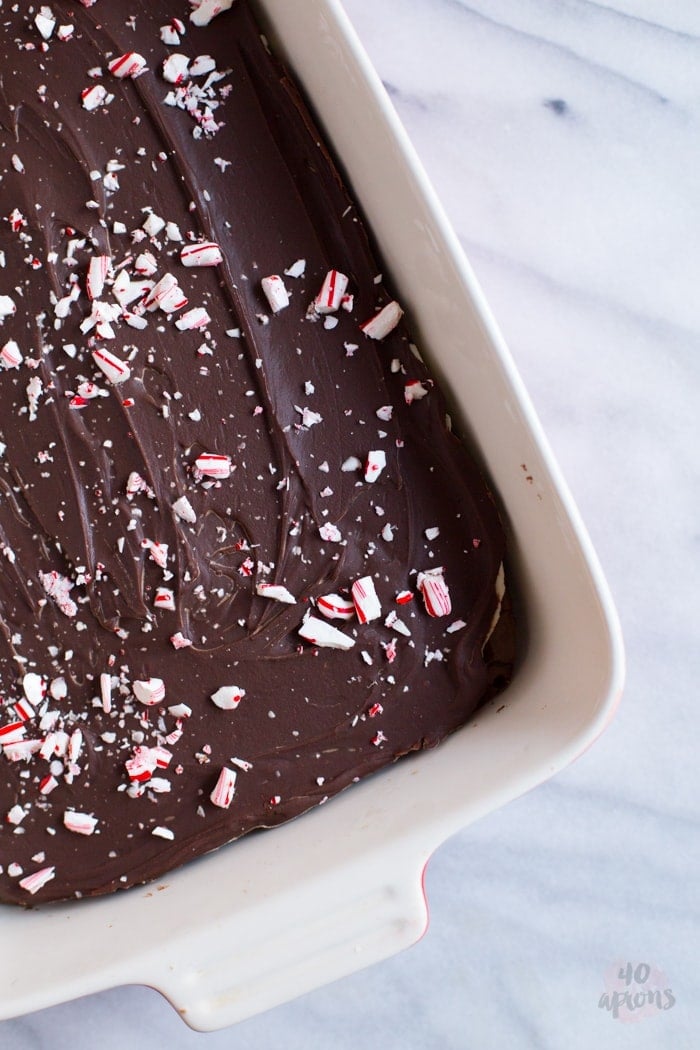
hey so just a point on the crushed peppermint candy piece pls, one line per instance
(176, 68)
(404, 597)
(130, 64)
(149, 692)
(376, 462)
(163, 833)
(164, 599)
(208, 9)
(172, 33)
(276, 592)
(11, 355)
(395, 624)
(436, 595)
(197, 317)
(205, 253)
(94, 97)
(98, 271)
(384, 322)
(45, 23)
(34, 882)
(225, 788)
(228, 697)
(457, 625)
(322, 634)
(385, 413)
(212, 465)
(202, 65)
(178, 641)
(432, 533)
(365, 598)
(184, 510)
(116, 371)
(415, 391)
(275, 293)
(34, 687)
(7, 306)
(335, 607)
(350, 464)
(297, 269)
(309, 418)
(332, 291)
(80, 823)
(330, 533)
(59, 587)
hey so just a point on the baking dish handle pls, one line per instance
(313, 935)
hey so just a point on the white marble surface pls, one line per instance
(564, 139)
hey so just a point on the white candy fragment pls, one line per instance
(98, 270)
(376, 462)
(171, 33)
(436, 595)
(45, 23)
(275, 293)
(197, 317)
(384, 322)
(212, 465)
(335, 607)
(161, 832)
(149, 692)
(208, 9)
(225, 789)
(65, 32)
(175, 68)
(34, 882)
(7, 306)
(130, 64)
(145, 264)
(202, 65)
(309, 418)
(11, 355)
(153, 224)
(228, 697)
(116, 371)
(364, 595)
(395, 624)
(80, 823)
(206, 253)
(297, 269)
(184, 510)
(350, 464)
(322, 634)
(332, 291)
(276, 592)
(33, 687)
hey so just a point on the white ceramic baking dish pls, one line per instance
(280, 913)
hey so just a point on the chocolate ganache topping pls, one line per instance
(244, 561)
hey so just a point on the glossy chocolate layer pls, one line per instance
(92, 466)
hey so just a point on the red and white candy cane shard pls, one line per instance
(225, 789)
(12, 733)
(145, 264)
(384, 322)
(34, 882)
(436, 595)
(178, 641)
(116, 371)
(130, 64)
(65, 32)
(80, 823)
(106, 691)
(180, 711)
(48, 784)
(207, 253)
(364, 595)
(93, 97)
(164, 599)
(276, 592)
(275, 292)
(24, 710)
(162, 757)
(184, 510)
(11, 355)
(376, 462)
(228, 697)
(195, 318)
(332, 291)
(166, 294)
(149, 692)
(335, 607)
(395, 624)
(322, 634)
(415, 391)
(202, 65)
(330, 533)
(212, 465)
(175, 68)
(141, 764)
(208, 9)
(75, 745)
(404, 597)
